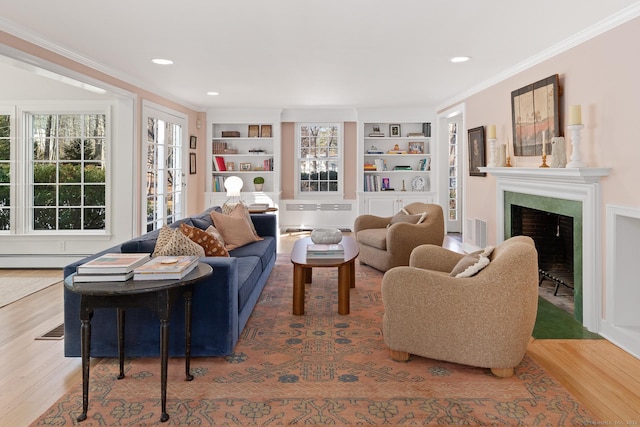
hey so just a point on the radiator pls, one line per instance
(480, 233)
(302, 216)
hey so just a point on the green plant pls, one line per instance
(258, 180)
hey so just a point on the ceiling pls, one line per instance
(309, 53)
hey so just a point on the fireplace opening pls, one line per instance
(553, 237)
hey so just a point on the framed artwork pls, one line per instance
(193, 141)
(535, 116)
(254, 131)
(416, 147)
(265, 131)
(231, 166)
(394, 130)
(476, 151)
(192, 163)
(245, 166)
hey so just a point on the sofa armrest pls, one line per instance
(365, 222)
(265, 224)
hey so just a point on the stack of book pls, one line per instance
(112, 267)
(166, 268)
(325, 251)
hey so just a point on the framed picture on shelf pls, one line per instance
(193, 140)
(416, 147)
(245, 166)
(231, 166)
(535, 116)
(265, 131)
(394, 130)
(254, 131)
(192, 163)
(476, 151)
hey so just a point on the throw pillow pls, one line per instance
(209, 243)
(230, 208)
(172, 242)
(212, 230)
(472, 263)
(235, 229)
(403, 216)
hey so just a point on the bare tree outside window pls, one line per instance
(319, 157)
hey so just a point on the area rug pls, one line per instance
(13, 288)
(318, 369)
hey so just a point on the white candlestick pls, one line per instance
(492, 153)
(576, 158)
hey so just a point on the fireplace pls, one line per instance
(569, 192)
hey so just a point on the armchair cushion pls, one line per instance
(403, 216)
(376, 237)
(472, 263)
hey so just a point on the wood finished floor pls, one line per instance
(34, 373)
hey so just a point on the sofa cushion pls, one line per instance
(211, 245)
(142, 244)
(173, 243)
(249, 270)
(238, 209)
(235, 228)
(264, 249)
(376, 237)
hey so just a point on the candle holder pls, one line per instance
(507, 163)
(492, 153)
(544, 162)
(576, 158)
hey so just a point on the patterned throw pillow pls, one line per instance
(235, 228)
(211, 245)
(171, 242)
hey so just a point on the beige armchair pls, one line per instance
(485, 320)
(384, 247)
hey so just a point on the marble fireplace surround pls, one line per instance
(574, 184)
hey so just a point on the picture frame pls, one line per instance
(394, 130)
(265, 131)
(192, 163)
(476, 151)
(245, 166)
(193, 141)
(254, 131)
(231, 166)
(535, 116)
(416, 147)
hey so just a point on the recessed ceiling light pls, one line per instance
(161, 61)
(211, 93)
(457, 59)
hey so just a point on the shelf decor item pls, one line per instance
(193, 141)
(265, 131)
(245, 166)
(416, 147)
(254, 131)
(394, 130)
(326, 236)
(258, 182)
(192, 163)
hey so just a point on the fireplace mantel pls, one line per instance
(573, 175)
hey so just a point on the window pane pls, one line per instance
(44, 195)
(5, 149)
(70, 195)
(69, 172)
(94, 149)
(70, 219)
(69, 126)
(44, 219)
(94, 195)
(94, 172)
(94, 219)
(5, 171)
(5, 219)
(69, 149)
(44, 172)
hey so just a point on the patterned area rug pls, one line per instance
(320, 368)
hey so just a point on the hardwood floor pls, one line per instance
(34, 373)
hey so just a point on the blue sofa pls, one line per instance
(222, 303)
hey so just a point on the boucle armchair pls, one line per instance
(485, 320)
(384, 245)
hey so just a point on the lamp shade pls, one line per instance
(233, 185)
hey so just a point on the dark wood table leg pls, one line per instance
(164, 360)
(120, 322)
(308, 275)
(298, 289)
(85, 338)
(352, 273)
(187, 334)
(344, 283)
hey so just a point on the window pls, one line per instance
(68, 179)
(5, 172)
(319, 158)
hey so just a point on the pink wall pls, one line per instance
(601, 75)
(195, 182)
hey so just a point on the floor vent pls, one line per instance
(56, 333)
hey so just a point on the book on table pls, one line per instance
(113, 263)
(166, 268)
(325, 251)
(89, 278)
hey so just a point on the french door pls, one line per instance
(164, 178)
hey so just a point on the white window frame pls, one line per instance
(11, 111)
(319, 194)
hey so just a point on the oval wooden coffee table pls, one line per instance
(302, 272)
